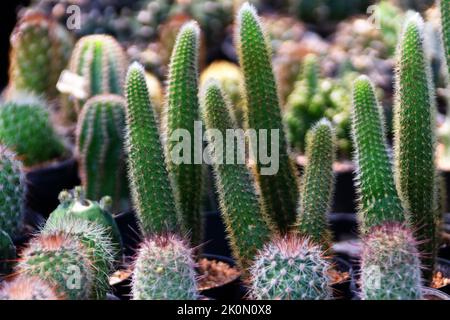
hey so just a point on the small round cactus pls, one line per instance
(7, 253)
(164, 269)
(26, 129)
(29, 288)
(390, 264)
(12, 189)
(291, 268)
(62, 261)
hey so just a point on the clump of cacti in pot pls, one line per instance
(390, 264)
(100, 149)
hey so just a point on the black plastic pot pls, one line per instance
(32, 222)
(45, 184)
(343, 289)
(214, 236)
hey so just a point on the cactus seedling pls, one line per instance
(25, 128)
(182, 114)
(414, 139)
(12, 189)
(164, 269)
(317, 184)
(100, 148)
(242, 211)
(279, 191)
(150, 185)
(62, 261)
(7, 253)
(29, 288)
(291, 268)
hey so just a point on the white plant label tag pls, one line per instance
(73, 84)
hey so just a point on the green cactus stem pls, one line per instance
(280, 191)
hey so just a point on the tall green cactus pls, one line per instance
(101, 62)
(279, 191)
(242, 211)
(379, 201)
(40, 49)
(444, 6)
(100, 149)
(182, 114)
(150, 185)
(25, 128)
(317, 184)
(414, 139)
(12, 186)
(164, 270)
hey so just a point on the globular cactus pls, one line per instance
(12, 187)
(7, 254)
(291, 268)
(317, 184)
(40, 49)
(25, 287)
(280, 190)
(151, 187)
(62, 261)
(102, 63)
(100, 149)
(414, 139)
(164, 270)
(25, 128)
(231, 81)
(378, 198)
(241, 208)
(390, 260)
(390, 264)
(97, 243)
(75, 205)
(183, 114)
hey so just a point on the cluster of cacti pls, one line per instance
(100, 149)
(7, 253)
(25, 287)
(313, 98)
(279, 191)
(40, 49)
(414, 139)
(183, 118)
(25, 128)
(101, 62)
(12, 186)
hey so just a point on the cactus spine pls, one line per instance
(7, 253)
(100, 148)
(389, 255)
(164, 269)
(291, 268)
(12, 186)
(279, 191)
(150, 185)
(61, 261)
(28, 288)
(40, 49)
(183, 114)
(414, 139)
(243, 214)
(317, 184)
(25, 128)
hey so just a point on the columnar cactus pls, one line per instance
(100, 149)
(390, 264)
(98, 245)
(280, 190)
(389, 259)
(164, 270)
(40, 49)
(444, 6)
(7, 253)
(183, 114)
(242, 211)
(102, 63)
(150, 185)
(317, 184)
(62, 261)
(25, 128)
(414, 139)
(24, 287)
(291, 268)
(12, 186)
